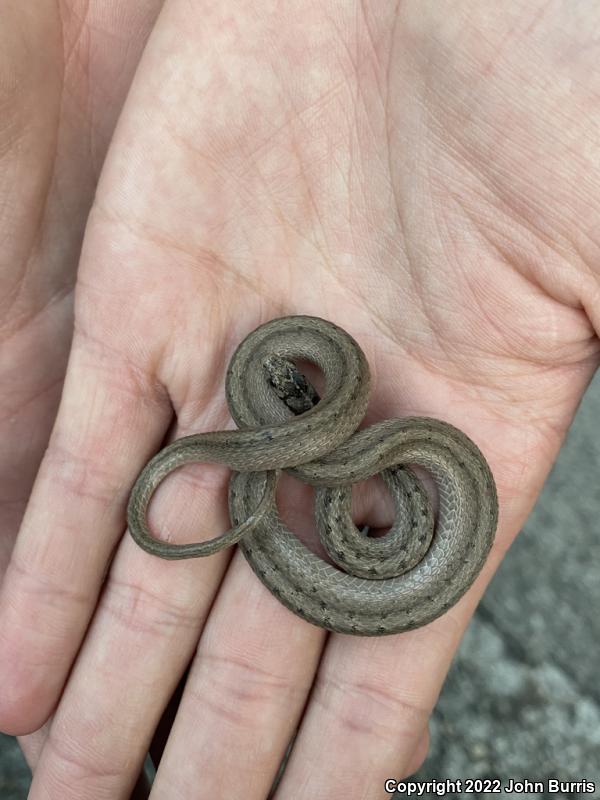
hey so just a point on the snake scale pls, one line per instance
(374, 586)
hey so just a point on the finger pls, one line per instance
(33, 744)
(371, 501)
(111, 418)
(370, 706)
(248, 686)
(244, 695)
(419, 755)
(250, 678)
(143, 635)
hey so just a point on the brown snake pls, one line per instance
(383, 585)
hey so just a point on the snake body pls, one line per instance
(374, 586)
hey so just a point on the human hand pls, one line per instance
(425, 181)
(64, 71)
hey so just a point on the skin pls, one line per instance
(428, 181)
(65, 69)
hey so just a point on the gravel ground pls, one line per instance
(522, 700)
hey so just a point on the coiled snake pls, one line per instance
(376, 586)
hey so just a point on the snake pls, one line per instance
(367, 586)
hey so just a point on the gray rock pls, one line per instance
(14, 772)
(522, 699)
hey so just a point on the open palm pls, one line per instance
(427, 182)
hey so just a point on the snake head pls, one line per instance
(290, 384)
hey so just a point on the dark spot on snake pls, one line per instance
(313, 589)
(381, 629)
(353, 628)
(323, 605)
